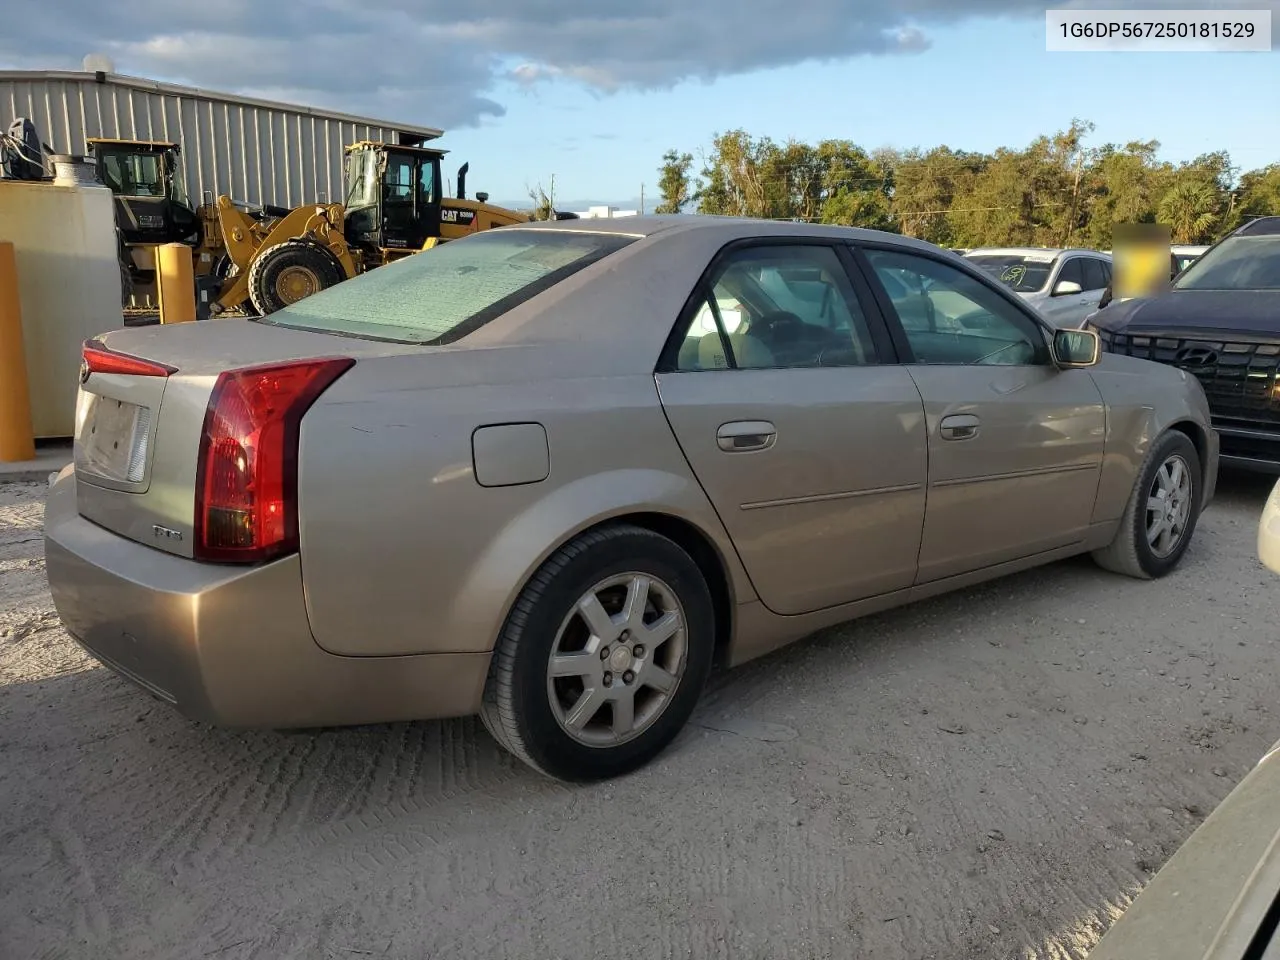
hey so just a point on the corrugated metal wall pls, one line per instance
(255, 153)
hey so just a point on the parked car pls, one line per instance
(1269, 531)
(1064, 285)
(1187, 254)
(1218, 322)
(532, 474)
(1216, 897)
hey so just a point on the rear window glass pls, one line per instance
(1237, 263)
(441, 295)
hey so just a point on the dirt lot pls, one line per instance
(992, 774)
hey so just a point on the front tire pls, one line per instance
(289, 272)
(602, 657)
(1162, 512)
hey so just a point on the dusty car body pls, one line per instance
(1216, 898)
(551, 473)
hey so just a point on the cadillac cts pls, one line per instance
(553, 473)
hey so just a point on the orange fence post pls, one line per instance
(17, 436)
(176, 283)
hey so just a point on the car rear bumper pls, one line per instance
(230, 645)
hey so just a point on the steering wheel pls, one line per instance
(779, 325)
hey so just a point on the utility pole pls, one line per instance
(642, 199)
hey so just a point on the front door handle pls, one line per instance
(959, 426)
(741, 436)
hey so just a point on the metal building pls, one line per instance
(253, 150)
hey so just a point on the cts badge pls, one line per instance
(166, 533)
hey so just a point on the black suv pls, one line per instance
(1221, 322)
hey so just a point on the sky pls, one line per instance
(593, 92)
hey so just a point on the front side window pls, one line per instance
(1072, 272)
(950, 317)
(134, 174)
(441, 296)
(362, 179)
(398, 183)
(1237, 263)
(771, 307)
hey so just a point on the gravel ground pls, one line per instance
(990, 774)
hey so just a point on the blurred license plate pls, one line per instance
(108, 437)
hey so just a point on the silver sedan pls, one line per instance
(554, 473)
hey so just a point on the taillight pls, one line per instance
(247, 476)
(97, 358)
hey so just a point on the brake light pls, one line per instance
(247, 475)
(97, 358)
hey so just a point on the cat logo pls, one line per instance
(448, 216)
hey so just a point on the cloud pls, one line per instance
(438, 61)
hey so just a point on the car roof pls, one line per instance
(1260, 227)
(1035, 251)
(730, 227)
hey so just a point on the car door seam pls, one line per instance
(675, 435)
(928, 466)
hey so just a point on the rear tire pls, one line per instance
(1161, 515)
(289, 272)
(640, 665)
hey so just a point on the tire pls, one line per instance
(1131, 552)
(289, 272)
(126, 286)
(530, 713)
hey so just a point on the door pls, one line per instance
(1015, 444)
(1097, 275)
(1064, 308)
(811, 447)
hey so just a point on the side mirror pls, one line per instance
(1067, 287)
(1075, 348)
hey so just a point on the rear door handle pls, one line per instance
(959, 426)
(741, 436)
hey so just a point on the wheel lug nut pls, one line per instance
(626, 635)
(604, 653)
(608, 679)
(638, 651)
(628, 677)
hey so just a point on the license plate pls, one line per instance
(109, 438)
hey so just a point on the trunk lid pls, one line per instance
(137, 437)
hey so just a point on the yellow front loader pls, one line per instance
(394, 207)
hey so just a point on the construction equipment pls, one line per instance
(395, 206)
(152, 207)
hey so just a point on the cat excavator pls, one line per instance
(395, 206)
(261, 258)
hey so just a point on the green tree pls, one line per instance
(1258, 195)
(1122, 186)
(675, 183)
(1190, 208)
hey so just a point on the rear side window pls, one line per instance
(441, 295)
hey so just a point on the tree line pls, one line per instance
(1056, 192)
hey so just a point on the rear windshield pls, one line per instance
(441, 295)
(1237, 263)
(1025, 273)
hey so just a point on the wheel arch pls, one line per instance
(1200, 440)
(673, 507)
